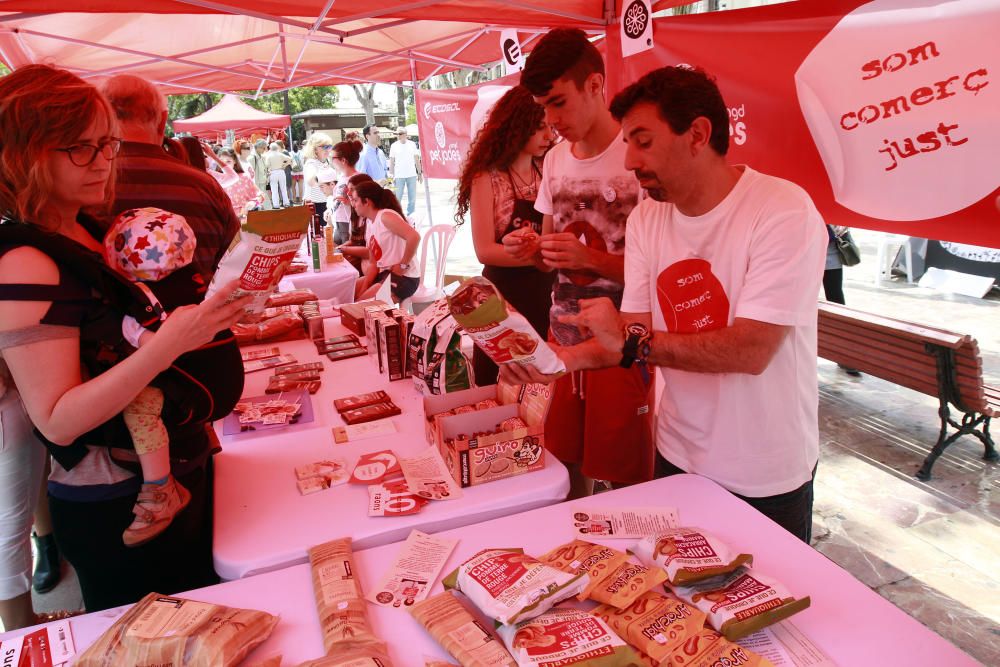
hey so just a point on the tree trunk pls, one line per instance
(366, 97)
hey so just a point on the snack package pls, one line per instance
(567, 637)
(710, 649)
(293, 297)
(499, 330)
(267, 329)
(260, 253)
(688, 555)
(361, 400)
(614, 579)
(174, 632)
(437, 366)
(343, 615)
(370, 413)
(346, 353)
(741, 602)
(509, 586)
(280, 384)
(655, 624)
(458, 632)
(315, 367)
(366, 655)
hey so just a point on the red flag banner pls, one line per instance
(886, 112)
(448, 120)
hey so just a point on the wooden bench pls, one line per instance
(933, 361)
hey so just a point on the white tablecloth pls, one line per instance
(853, 625)
(335, 281)
(262, 522)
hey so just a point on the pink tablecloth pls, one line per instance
(851, 624)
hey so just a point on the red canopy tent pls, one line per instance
(231, 113)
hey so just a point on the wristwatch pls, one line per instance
(637, 345)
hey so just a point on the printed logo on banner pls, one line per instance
(906, 125)
(636, 26)
(691, 297)
(427, 110)
(510, 51)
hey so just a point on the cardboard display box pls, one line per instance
(476, 459)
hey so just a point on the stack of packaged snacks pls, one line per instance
(340, 602)
(367, 655)
(455, 628)
(510, 586)
(352, 315)
(341, 347)
(293, 297)
(174, 632)
(366, 407)
(294, 377)
(614, 579)
(313, 314)
(567, 637)
(390, 331)
(280, 327)
(655, 624)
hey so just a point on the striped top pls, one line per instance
(147, 176)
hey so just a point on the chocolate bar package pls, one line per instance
(304, 376)
(390, 348)
(347, 354)
(361, 400)
(336, 347)
(370, 413)
(336, 340)
(280, 383)
(352, 315)
(312, 367)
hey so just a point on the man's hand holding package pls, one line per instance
(600, 319)
(564, 251)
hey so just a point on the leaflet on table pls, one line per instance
(374, 467)
(785, 646)
(414, 571)
(427, 476)
(363, 431)
(254, 365)
(393, 499)
(622, 522)
(51, 646)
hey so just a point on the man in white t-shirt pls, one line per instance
(599, 422)
(722, 272)
(404, 169)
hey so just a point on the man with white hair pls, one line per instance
(148, 176)
(276, 163)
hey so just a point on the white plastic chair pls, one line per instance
(440, 236)
(884, 257)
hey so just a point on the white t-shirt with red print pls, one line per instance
(758, 255)
(387, 249)
(590, 198)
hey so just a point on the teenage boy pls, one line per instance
(599, 422)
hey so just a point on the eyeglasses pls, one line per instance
(83, 155)
(327, 146)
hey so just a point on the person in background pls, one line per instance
(373, 160)
(392, 243)
(356, 249)
(258, 169)
(238, 184)
(600, 421)
(404, 169)
(276, 161)
(497, 187)
(344, 157)
(194, 150)
(296, 191)
(146, 176)
(58, 147)
(833, 281)
(316, 156)
(242, 149)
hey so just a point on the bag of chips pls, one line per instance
(499, 330)
(614, 579)
(688, 555)
(508, 585)
(343, 614)
(741, 602)
(458, 632)
(368, 655)
(567, 637)
(710, 649)
(655, 624)
(174, 632)
(260, 254)
(434, 352)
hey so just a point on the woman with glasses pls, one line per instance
(59, 302)
(498, 186)
(316, 154)
(344, 158)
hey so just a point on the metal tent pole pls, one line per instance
(423, 159)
